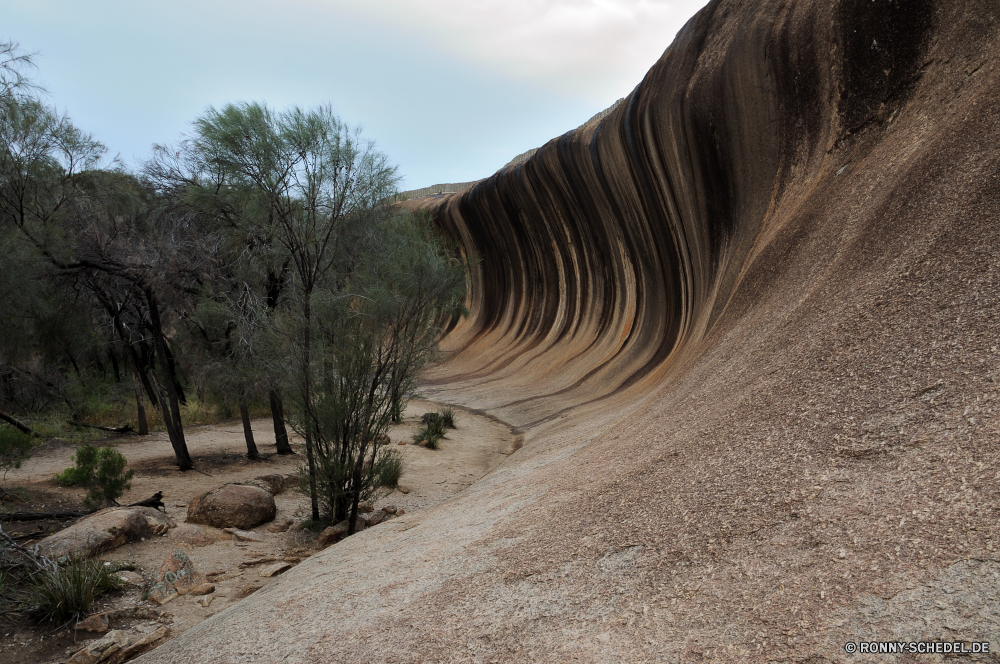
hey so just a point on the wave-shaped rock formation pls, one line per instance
(748, 324)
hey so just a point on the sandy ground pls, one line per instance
(476, 446)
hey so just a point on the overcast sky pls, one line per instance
(450, 89)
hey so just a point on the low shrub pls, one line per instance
(101, 471)
(315, 526)
(15, 447)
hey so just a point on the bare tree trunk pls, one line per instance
(15, 422)
(252, 452)
(114, 363)
(307, 404)
(141, 365)
(362, 447)
(133, 369)
(178, 388)
(171, 411)
(280, 432)
(140, 407)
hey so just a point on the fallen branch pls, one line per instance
(125, 429)
(38, 516)
(17, 423)
(153, 501)
(40, 561)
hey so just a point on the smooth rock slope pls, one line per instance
(748, 323)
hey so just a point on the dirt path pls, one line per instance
(476, 446)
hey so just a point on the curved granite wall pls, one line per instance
(599, 260)
(603, 258)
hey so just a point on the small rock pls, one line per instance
(275, 569)
(257, 561)
(193, 535)
(141, 646)
(364, 508)
(130, 578)
(244, 535)
(203, 589)
(372, 518)
(101, 649)
(95, 623)
(247, 590)
(402, 442)
(177, 576)
(275, 482)
(331, 535)
(402, 489)
(389, 509)
(205, 601)
(180, 504)
(400, 512)
(280, 527)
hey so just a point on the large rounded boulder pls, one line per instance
(233, 506)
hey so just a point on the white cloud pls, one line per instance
(593, 49)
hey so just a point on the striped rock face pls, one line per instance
(747, 323)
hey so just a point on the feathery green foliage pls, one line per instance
(15, 447)
(102, 472)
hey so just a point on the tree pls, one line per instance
(100, 238)
(41, 152)
(302, 180)
(139, 259)
(373, 339)
(225, 330)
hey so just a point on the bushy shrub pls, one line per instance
(15, 447)
(102, 472)
(66, 591)
(448, 417)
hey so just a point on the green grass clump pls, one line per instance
(388, 468)
(431, 433)
(447, 416)
(434, 425)
(66, 592)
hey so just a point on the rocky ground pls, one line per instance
(234, 565)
